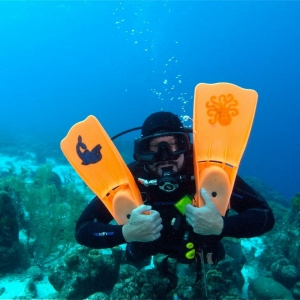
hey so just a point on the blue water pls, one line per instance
(121, 61)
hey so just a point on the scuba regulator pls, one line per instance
(168, 182)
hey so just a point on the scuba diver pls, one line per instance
(164, 173)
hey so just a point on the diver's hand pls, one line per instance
(205, 220)
(142, 227)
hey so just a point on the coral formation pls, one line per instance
(10, 247)
(268, 288)
(37, 218)
(284, 272)
(296, 202)
(43, 210)
(98, 296)
(83, 273)
(86, 273)
(280, 260)
(35, 273)
(296, 290)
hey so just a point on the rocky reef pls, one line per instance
(278, 266)
(88, 273)
(37, 217)
(10, 247)
(85, 272)
(40, 240)
(280, 260)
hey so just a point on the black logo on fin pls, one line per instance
(88, 157)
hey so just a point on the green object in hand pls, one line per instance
(181, 204)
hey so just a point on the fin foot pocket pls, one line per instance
(223, 116)
(216, 182)
(122, 204)
(97, 161)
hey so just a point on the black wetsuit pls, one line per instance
(254, 217)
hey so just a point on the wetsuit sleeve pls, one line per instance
(93, 229)
(254, 217)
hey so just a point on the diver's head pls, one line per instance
(161, 121)
(163, 142)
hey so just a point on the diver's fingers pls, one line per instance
(142, 209)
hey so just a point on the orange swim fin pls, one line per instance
(222, 121)
(97, 161)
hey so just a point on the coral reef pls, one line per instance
(86, 273)
(35, 273)
(83, 273)
(98, 296)
(38, 212)
(280, 261)
(284, 272)
(268, 288)
(296, 290)
(10, 247)
(147, 283)
(41, 210)
(296, 202)
(30, 291)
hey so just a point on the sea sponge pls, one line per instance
(72, 261)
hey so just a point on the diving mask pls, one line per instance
(148, 151)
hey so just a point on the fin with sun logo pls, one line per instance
(222, 120)
(97, 161)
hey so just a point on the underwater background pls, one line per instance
(122, 60)
(61, 61)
